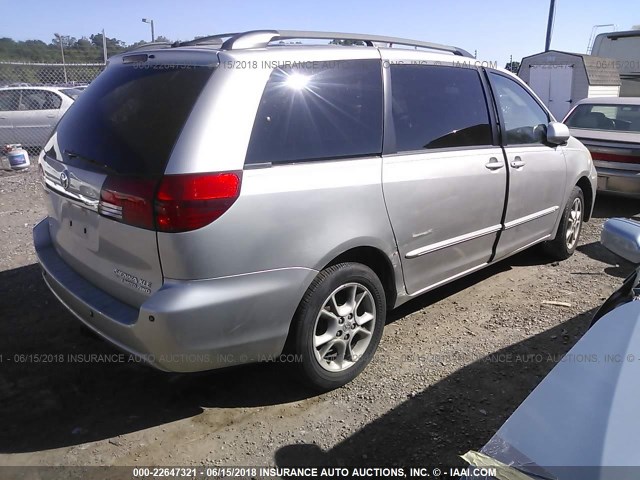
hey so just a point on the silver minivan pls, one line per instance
(214, 203)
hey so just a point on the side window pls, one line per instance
(52, 101)
(39, 100)
(318, 111)
(438, 107)
(525, 121)
(9, 100)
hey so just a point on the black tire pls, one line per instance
(341, 281)
(561, 248)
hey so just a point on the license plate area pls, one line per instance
(81, 225)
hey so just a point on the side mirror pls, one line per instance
(557, 133)
(622, 237)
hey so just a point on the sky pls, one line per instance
(496, 29)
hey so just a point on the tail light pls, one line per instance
(188, 202)
(177, 203)
(615, 157)
(128, 200)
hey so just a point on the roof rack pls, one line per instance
(262, 38)
(216, 39)
(150, 45)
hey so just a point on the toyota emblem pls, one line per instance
(64, 180)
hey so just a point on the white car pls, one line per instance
(28, 114)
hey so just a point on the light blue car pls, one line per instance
(582, 422)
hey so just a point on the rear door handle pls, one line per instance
(494, 164)
(518, 163)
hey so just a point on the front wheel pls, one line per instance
(566, 241)
(339, 324)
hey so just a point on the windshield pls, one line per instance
(71, 92)
(619, 118)
(130, 118)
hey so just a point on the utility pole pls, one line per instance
(104, 47)
(150, 21)
(64, 66)
(552, 12)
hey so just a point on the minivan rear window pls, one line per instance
(130, 118)
(319, 110)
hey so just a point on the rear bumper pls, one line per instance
(619, 182)
(185, 326)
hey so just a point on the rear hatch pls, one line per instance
(617, 150)
(104, 162)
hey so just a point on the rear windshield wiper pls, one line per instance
(100, 165)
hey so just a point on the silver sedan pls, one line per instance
(610, 129)
(28, 114)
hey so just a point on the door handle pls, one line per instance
(494, 164)
(50, 116)
(518, 163)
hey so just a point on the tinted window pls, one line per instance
(9, 100)
(321, 110)
(131, 117)
(621, 118)
(39, 100)
(438, 107)
(525, 121)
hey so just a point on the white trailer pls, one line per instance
(623, 48)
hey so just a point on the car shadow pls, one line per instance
(445, 291)
(53, 393)
(530, 257)
(619, 267)
(608, 206)
(457, 414)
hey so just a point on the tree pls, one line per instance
(112, 43)
(346, 42)
(512, 66)
(76, 50)
(84, 43)
(138, 44)
(66, 40)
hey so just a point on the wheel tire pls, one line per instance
(317, 319)
(566, 240)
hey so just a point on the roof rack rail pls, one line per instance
(262, 38)
(216, 39)
(150, 45)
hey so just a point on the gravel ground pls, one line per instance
(437, 387)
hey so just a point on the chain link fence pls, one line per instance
(33, 97)
(48, 74)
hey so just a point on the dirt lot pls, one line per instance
(431, 394)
